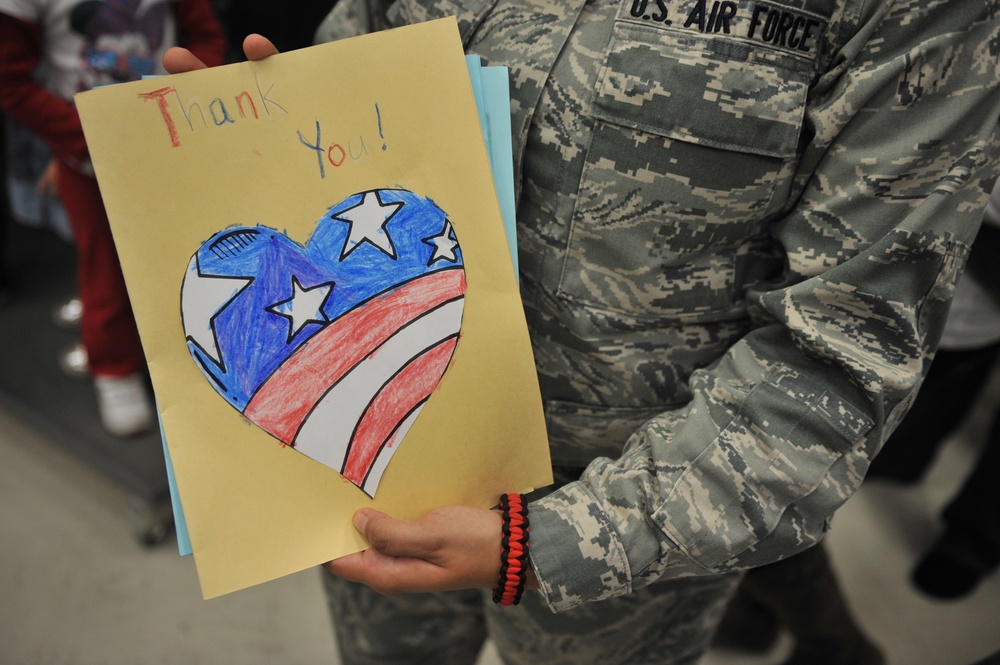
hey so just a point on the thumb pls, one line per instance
(257, 47)
(394, 537)
(177, 60)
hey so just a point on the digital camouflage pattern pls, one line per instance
(671, 623)
(740, 224)
(660, 623)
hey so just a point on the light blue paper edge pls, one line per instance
(497, 105)
(180, 524)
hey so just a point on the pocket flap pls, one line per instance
(714, 91)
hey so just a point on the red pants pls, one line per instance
(107, 328)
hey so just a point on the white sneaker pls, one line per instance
(125, 408)
(74, 362)
(67, 315)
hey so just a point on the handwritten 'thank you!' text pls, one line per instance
(182, 115)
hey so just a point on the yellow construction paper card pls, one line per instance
(319, 271)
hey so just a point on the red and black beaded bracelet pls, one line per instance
(513, 550)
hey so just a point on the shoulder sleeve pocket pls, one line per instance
(777, 450)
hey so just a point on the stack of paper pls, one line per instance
(316, 253)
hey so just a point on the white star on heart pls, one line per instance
(444, 245)
(305, 306)
(202, 303)
(368, 220)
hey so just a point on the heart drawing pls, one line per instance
(332, 347)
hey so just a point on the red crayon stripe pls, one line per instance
(285, 399)
(411, 386)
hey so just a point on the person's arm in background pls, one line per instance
(46, 115)
(54, 119)
(200, 31)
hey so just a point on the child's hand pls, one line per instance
(48, 183)
(450, 548)
(179, 60)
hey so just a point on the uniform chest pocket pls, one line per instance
(694, 139)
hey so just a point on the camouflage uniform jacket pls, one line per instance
(740, 224)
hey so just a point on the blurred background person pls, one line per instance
(968, 549)
(30, 180)
(83, 44)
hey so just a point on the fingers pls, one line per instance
(256, 47)
(454, 547)
(397, 538)
(390, 575)
(178, 60)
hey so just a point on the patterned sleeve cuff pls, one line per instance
(576, 554)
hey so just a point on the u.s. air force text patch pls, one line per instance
(768, 23)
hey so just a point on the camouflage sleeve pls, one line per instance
(896, 166)
(350, 18)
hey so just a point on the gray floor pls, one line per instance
(76, 588)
